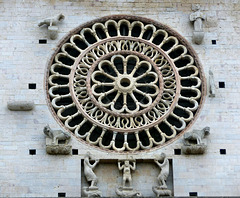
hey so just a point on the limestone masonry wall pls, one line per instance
(23, 61)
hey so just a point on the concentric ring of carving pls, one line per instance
(124, 84)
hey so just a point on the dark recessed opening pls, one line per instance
(125, 82)
(214, 42)
(223, 151)
(177, 151)
(61, 194)
(75, 151)
(221, 84)
(32, 86)
(193, 194)
(32, 151)
(42, 41)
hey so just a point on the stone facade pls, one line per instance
(25, 168)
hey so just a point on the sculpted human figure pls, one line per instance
(197, 17)
(127, 167)
(211, 84)
(88, 170)
(164, 166)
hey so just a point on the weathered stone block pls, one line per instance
(20, 105)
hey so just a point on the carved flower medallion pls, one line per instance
(125, 83)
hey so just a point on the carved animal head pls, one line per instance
(60, 17)
(206, 130)
(46, 130)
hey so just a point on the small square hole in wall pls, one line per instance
(177, 152)
(75, 151)
(223, 151)
(214, 42)
(221, 84)
(32, 86)
(61, 194)
(193, 194)
(42, 41)
(32, 151)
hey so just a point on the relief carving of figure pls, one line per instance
(163, 164)
(197, 17)
(92, 190)
(127, 167)
(127, 190)
(211, 84)
(88, 169)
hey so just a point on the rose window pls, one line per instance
(125, 83)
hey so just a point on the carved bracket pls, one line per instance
(193, 141)
(51, 24)
(20, 105)
(57, 142)
(197, 17)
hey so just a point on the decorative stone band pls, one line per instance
(125, 83)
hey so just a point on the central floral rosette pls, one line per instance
(125, 84)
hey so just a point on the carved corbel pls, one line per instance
(51, 24)
(57, 142)
(193, 141)
(20, 105)
(197, 18)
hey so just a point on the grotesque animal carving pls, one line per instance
(53, 21)
(196, 136)
(56, 135)
(125, 192)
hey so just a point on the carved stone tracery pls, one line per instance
(125, 84)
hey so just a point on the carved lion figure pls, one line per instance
(56, 135)
(52, 21)
(196, 136)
